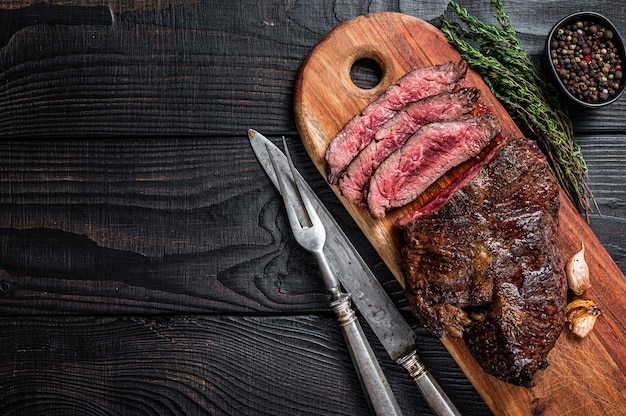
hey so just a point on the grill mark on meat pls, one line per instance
(425, 157)
(490, 252)
(397, 130)
(360, 131)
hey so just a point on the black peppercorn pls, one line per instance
(587, 60)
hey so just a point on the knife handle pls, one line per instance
(373, 380)
(432, 392)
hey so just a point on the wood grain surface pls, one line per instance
(326, 98)
(140, 236)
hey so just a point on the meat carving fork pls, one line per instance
(310, 233)
(355, 276)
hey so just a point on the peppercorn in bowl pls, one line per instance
(586, 55)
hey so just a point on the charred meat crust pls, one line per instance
(485, 265)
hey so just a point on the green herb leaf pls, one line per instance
(496, 53)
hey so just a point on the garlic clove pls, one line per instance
(577, 272)
(581, 315)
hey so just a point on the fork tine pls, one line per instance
(306, 225)
(310, 210)
(294, 221)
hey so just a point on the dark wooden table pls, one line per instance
(146, 266)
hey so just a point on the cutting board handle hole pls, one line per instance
(366, 73)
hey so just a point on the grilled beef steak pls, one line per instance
(397, 130)
(485, 265)
(360, 131)
(425, 157)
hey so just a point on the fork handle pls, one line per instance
(436, 398)
(373, 380)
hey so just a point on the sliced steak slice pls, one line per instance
(360, 131)
(397, 130)
(486, 155)
(485, 265)
(425, 157)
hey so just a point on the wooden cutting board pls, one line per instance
(585, 377)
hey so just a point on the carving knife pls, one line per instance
(370, 298)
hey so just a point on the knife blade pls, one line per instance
(310, 233)
(356, 277)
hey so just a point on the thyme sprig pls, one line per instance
(509, 72)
